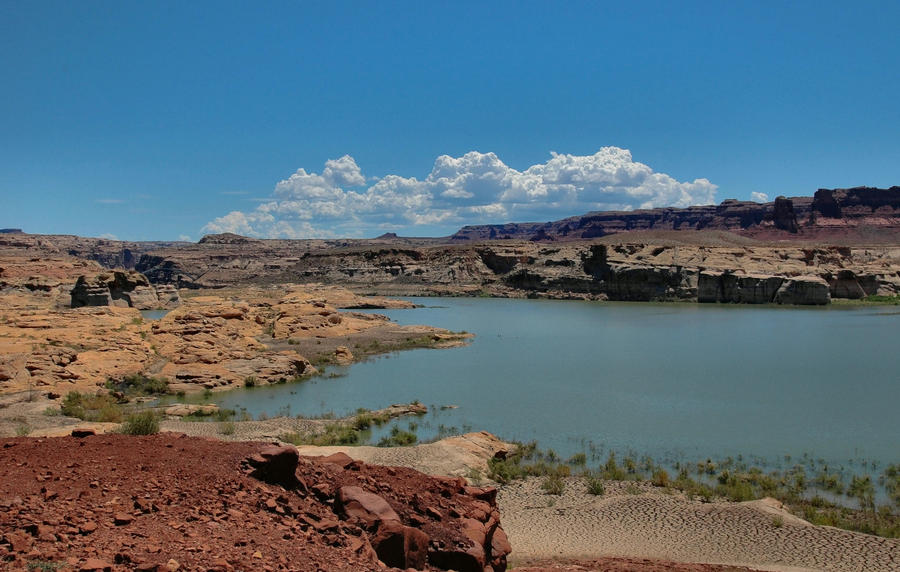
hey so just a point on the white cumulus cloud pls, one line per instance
(759, 197)
(475, 188)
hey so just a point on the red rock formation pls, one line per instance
(116, 502)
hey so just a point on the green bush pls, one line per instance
(143, 423)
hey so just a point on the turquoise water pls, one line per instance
(674, 381)
(154, 314)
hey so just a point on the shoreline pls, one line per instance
(630, 520)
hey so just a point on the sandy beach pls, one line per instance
(640, 521)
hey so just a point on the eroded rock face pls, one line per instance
(637, 271)
(207, 343)
(127, 289)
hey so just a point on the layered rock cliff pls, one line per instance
(740, 273)
(786, 251)
(826, 211)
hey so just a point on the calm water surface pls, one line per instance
(669, 380)
(154, 314)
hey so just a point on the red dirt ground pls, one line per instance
(171, 502)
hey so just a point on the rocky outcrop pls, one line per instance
(761, 289)
(207, 343)
(127, 289)
(407, 520)
(185, 409)
(783, 215)
(805, 291)
(118, 502)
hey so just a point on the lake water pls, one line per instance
(154, 314)
(674, 381)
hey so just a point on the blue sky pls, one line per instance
(156, 120)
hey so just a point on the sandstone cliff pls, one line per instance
(128, 289)
(829, 212)
(745, 272)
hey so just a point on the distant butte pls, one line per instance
(227, 238)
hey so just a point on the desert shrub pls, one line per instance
(99, 407)
(362, 421)
(225, 414)
(660, 478)
(336, 434)
(250, 381)
(71, 405)
(398, 438)
(139, 384)
(143, 423)
(109, 414)
(227, 428)
(578, 459)
(504, 470)
(594, 486)
(554, 485)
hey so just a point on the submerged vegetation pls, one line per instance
(354, 431)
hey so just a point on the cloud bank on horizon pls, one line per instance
(476, 188)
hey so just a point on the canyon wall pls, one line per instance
(617, 271)
(828, 212)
